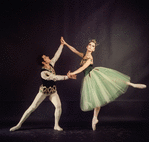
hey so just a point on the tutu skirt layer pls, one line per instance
(101, 86)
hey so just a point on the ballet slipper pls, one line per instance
(58, 128)
(140, 86)
(15, 128)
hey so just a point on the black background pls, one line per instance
(31, 27)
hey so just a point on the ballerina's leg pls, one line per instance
(140, 86)
(95, 118)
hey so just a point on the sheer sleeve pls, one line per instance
(57, 55)
(49, 76)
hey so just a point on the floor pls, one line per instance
(78, 132)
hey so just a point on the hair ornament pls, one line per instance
(94, 41)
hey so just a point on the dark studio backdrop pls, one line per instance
(31, 27)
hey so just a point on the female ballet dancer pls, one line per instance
(100, 85)
(47, 89)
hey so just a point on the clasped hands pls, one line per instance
(71, 76)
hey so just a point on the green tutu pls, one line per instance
(100, 86)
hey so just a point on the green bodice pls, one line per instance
(88, 69)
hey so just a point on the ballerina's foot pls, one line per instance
(140, 86)
(94, 122)
(58, 128)
(15, 128)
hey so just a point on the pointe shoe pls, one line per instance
(14, 128)
(94, 122)
(140, 86)
(94, 127)
(58, 128)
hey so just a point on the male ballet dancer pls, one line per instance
(47, 89)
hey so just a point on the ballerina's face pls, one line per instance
(91, 47)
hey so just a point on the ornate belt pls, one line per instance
(49, 90)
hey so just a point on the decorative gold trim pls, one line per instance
(49, 90)
(51, 70)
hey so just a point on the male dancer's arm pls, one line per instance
(57, 55)
(50, 76)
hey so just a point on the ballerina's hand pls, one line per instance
(71, 75)
(62, 40)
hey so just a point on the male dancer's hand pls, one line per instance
(62, 40)
(71, 76)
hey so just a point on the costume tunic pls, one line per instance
(100, 86)
(49, 76)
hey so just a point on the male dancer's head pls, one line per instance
(43, 59)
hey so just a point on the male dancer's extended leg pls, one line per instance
(54, 98)
(37, 101)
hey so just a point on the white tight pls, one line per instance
(54, 98)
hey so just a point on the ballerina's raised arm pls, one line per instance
(72, 48)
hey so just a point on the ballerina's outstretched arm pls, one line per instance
(72, 48)
(79, 70)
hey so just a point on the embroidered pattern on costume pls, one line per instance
(49, 90)
(52, 70)
(83, 61)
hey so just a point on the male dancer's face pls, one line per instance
(46, 59)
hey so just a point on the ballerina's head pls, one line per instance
(91, 45)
